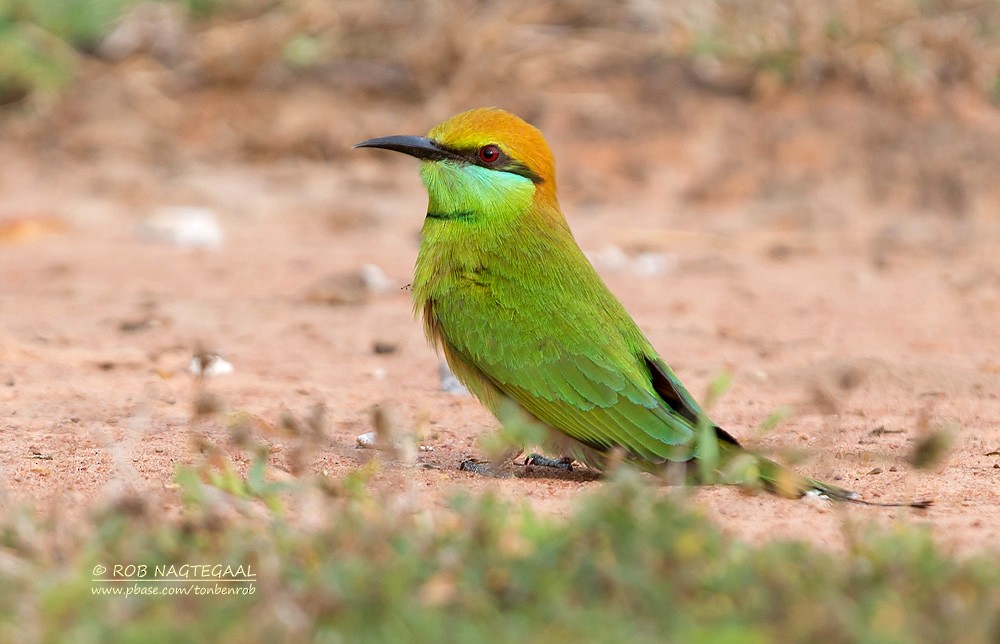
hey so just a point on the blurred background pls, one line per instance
(720, 103)
(208, 353)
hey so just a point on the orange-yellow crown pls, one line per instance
(517, 138)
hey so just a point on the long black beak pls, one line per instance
(416, 146)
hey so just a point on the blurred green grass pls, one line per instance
(630, 564)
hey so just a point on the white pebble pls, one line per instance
(613, 258)
(650, 264)
(187, 227)
(449, 383)
(375, 279)
(210, 366)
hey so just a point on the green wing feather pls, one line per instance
(593, 404)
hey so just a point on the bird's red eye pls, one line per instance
(489, 153)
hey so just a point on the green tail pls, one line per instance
(783, 481)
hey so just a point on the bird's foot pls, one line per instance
(495, 469)
(564, 463)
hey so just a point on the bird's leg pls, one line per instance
(564, 463)
(499, 468)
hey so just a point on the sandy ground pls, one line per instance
(878, 320)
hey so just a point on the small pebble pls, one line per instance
(375, 279)
(186, 227)
(449, 383)
(209, 365)
(611, 257)
(368, 440)
(652, 264)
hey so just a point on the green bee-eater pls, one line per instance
(523, 318)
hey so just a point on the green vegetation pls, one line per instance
(38, 37)
(31, 59)
(80, 23)
(338, 562)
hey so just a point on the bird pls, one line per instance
(526, 323)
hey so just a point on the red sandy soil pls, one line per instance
(877, 318)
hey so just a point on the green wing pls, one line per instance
(592, 401)
(590, 384)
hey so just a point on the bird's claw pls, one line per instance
(495, 470)
(472, 465)
(564, 463)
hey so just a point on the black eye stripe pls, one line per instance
(516, 167)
